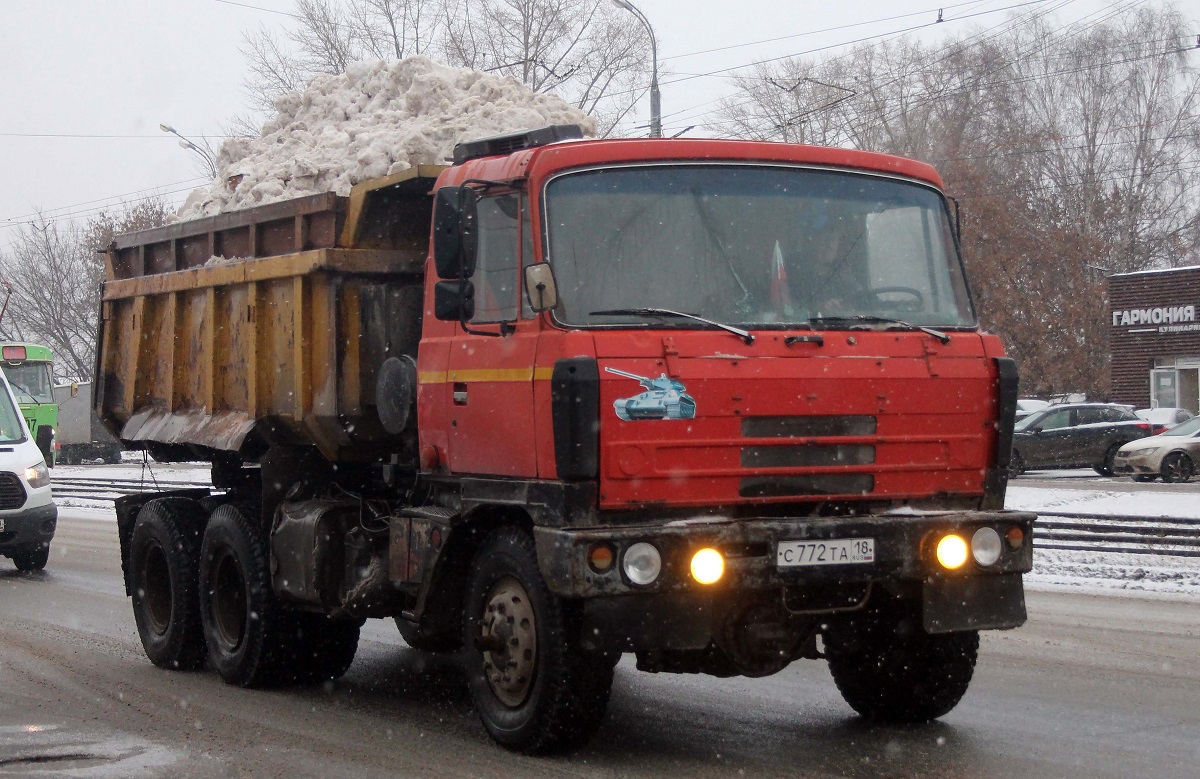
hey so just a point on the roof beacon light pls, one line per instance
(507, 144)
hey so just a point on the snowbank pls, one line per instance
(376, 119)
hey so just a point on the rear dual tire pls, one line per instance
(252, 640)
(164, 558)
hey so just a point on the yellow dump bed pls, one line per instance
(266, 326)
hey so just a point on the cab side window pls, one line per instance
(1056, 419)
(496, 270)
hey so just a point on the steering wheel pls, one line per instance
(898, 298)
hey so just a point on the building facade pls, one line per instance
(1154, 338)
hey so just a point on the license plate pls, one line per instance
(833, 551)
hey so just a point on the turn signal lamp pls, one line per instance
(952, 552)
(1015, 537)
(601, 558)
(708, 566)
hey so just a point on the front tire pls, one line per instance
(890, 670)
(164, 560)
(28, 562)
(244, 626)
(536, 690)
(1177, 468)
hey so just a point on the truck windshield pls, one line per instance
(752, 245)
(30, 381)
(10, 420)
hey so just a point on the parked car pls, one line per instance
(28, 515)
(1171, 455)
(1026, 406)
(1161, 419)
(1075, 435)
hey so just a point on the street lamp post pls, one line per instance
(655, 106)
(204, 154)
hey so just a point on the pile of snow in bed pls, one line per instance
(376, 119)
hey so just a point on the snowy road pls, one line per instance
(1092, 686)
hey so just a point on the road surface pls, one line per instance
(1093, 686)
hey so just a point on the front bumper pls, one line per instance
(1138, 465)
(28, 530)
(675, 605)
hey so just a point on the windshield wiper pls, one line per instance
(25, 391)
(938, 334)
(745, 335)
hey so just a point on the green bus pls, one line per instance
(27, 368)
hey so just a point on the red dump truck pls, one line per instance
(721, 405)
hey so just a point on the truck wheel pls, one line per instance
(164, 559)
(32, 561)
(244, 626)
(896, 672)
(323, 648)
(536, 690)
(1105, 468)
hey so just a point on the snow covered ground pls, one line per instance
(1159, 575)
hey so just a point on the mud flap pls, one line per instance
(973, 603)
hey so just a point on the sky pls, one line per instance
(84, 84)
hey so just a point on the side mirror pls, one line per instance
(1037, 430)
(74, 389)
(540, 288)
(454, 232)
(454, 301)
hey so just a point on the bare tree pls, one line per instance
(583, 50)
(1074, 150)
(55, 275)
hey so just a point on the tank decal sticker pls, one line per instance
(664, 398)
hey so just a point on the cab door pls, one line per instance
(490, 364)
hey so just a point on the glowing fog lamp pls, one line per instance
(708, 566)
(986, 546)
(952, 552)
(641, 563)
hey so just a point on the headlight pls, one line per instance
(642, 563)
(1142, 452)
(37, 475)
(986, 546)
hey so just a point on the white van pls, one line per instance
(28, 515)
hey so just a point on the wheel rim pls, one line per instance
(156, 587)
(509, 631)
(229, 600)
(1174, 468)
